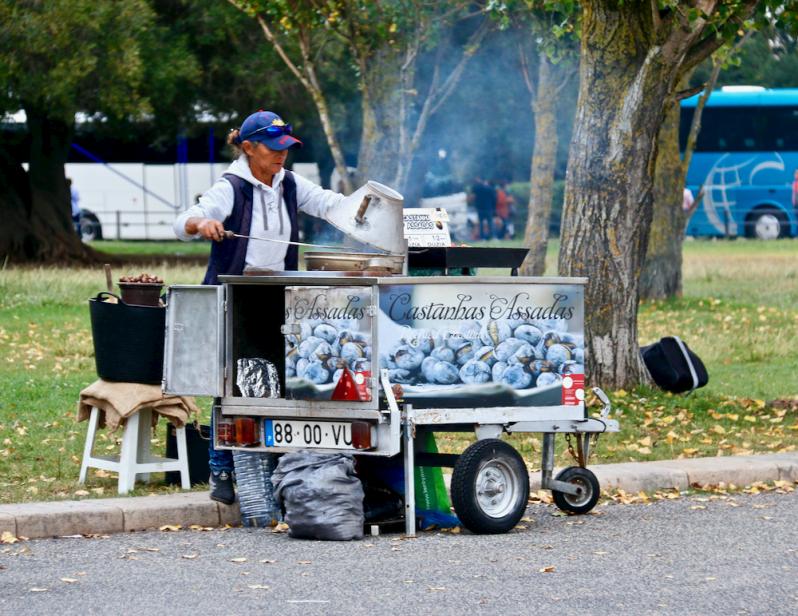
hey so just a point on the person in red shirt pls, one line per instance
(504, 211)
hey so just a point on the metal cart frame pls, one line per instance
(575, 489)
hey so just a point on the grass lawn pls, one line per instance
(738, 313)
(171, 248)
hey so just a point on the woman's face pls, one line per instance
(263, 162)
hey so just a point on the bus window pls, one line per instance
(781, 132)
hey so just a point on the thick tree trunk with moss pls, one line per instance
(35, 206)
(536, 235)
(624, 80)
(662, 273)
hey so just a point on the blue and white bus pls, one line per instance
(745, 160)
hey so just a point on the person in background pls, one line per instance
(257, 197)
(795, 189)
(485, 204)
(504, 211)
(75, 199)
(687, 199)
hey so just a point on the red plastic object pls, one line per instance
(354, 388)
(361, 435)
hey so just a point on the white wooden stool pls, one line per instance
(134, 458)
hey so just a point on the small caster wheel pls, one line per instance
(490, 487)
(586, 481)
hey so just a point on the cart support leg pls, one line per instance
(410, 480)
(547, 465)
(547, 470)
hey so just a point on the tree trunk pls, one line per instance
(379, 142)
(624, 81)
(536, 235)
(662, 273)
(37, 223)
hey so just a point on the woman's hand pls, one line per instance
(208, 228)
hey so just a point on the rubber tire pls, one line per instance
(464, 487)
(750, 226)
(578, 475)
(89, 220)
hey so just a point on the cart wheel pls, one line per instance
(490, 487)
(577, 503)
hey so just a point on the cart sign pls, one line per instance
(426, 227)
(328, 342)
(484, 344)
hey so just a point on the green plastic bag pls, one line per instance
(433, 506)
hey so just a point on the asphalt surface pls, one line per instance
(701, 554)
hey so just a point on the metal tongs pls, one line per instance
(228, 235)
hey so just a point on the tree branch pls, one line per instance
(710, 43)
(451, 81)
(530, 86)
(565, 79)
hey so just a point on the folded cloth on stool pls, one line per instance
(118, 401)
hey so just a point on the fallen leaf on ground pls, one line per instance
(8, 537)
(304, 562)
(170, 527)
(258, 586)
(240, 559)
(69, 580)
(190, 556)
(435, 588)
(38, 590)
(267, 561)
(282, 527)
(549, 569)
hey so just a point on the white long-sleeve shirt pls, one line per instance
(269, 212)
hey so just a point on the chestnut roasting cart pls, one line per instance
(486, 354)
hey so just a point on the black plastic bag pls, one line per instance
(321, 495)
(673, 366)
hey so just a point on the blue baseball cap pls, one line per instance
(269, 129)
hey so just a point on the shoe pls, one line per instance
(222, 488)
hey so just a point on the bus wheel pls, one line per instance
(766, 224)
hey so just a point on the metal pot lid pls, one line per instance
(372, 215)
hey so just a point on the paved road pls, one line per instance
(687, 556)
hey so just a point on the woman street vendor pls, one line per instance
(256, 197)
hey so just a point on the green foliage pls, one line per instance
(65, 56)
(769, 58)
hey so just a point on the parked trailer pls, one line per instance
(491, 355)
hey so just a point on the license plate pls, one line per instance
(307, 434)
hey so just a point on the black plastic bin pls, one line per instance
(197, 444)
(128, 340)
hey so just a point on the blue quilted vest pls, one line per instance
(229, 256)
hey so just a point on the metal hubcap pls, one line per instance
(767, 227)
(497, 488)
(585, 493)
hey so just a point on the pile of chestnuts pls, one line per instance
(519, 354)
(321, 350)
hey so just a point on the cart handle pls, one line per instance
(605, 411)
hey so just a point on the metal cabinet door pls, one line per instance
(194, 351)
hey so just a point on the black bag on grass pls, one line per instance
(673, 366)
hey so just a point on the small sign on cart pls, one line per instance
(427, 227)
